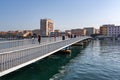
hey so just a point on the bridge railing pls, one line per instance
(14, 43)
(13, 60)
(23, 42)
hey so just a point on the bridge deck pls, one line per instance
(15, 58)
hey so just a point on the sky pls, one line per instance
(67, 14)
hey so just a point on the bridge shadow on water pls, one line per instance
(45, 68)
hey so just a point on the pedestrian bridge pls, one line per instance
(17, 57)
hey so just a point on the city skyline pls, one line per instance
(67, 14)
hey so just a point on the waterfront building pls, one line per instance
(68, 32)
(55, 34)
(90, 30)
(97, 31)
(62, 34)
(78, 32)
(110, 30)
(3, 33)
(57, 30)
(104, 30)
(113, 31)
(27, 33)
(46, 26)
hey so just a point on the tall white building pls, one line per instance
(113, 31)
(46, 27)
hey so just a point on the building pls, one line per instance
(104, 29)
(27, 33)
(56, 33)
(46, 27)
(78, 32)
(68, 32)
(113, 31)
(110, 30)
(89, 31)
(57, 30)
(97, 31)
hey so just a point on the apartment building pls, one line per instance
(46, 27)
(110, 30)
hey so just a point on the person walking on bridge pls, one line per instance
(39, 39)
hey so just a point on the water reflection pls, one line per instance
(99, 61)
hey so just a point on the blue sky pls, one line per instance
(67, 14)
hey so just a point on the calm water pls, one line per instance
(99, 60)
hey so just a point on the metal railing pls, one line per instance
(23, 42)
(14, 58)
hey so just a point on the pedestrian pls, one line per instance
(75, 36)
(71, 36)
(39, 39)
(63, 37)
(33, 40)
(54, 37)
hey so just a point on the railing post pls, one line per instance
(14, 58)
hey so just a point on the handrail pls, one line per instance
(13, 60)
